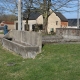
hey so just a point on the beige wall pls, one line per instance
(30, 22)
(39, 20)
(10, 26)
(52, 22)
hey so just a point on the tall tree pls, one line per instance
(46, 7)
(55, 5)
(42, 6)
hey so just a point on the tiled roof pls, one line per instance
(6, 22)
(63, 18)
(35, 15)
(73, 22)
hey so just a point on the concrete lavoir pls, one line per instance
(28, 44)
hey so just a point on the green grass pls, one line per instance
(2, 32)
(56, 62)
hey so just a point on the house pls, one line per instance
(72, 23)
(55, 20)
(33, 19)
(64, 21)
(9, 24)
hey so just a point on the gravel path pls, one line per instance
(1, 35)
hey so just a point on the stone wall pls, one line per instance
(68, 33)
(51, 39)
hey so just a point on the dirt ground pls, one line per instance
(1, 35)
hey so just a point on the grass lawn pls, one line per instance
(56, 62)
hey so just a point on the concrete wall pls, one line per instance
(68, 33)
(28, 44)
(31, 38)
(24, 51)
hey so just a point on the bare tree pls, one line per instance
(9, 6)
(55, 5)
(42, 6)
(27, 7)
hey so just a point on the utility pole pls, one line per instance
(78, 14)
(19, 14)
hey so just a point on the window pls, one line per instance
(26, 28)
(40, 27)
(51, 29)
(16, 26)
(33, 27)
(56, 22)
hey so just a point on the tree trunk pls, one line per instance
(46, 14)
(27, 18)
(27, 27)
(45, 21)
(45, 24)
